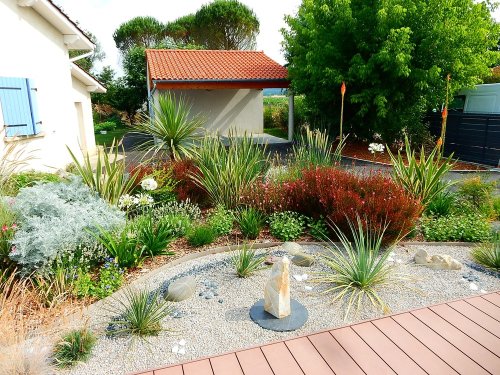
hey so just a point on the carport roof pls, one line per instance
(213, 69)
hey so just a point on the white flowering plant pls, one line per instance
(376, 147)
(149, 184)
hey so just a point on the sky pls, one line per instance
(102, 18)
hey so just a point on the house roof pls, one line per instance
(209, 69)
(93, 85)
(74, 37)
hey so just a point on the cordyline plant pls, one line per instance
(107, 177)
(421, 177)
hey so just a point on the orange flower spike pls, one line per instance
(444, 114)
(342, 88)
(439, 142)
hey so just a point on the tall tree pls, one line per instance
(139, 31)
(181, 29)
(394, 56)
(225, 24)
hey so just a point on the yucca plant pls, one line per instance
(139, 313)
(107, 177)
(421, 177)
(246, 261)
(315, 148)
(250, 221)
(358, 268)
(74, 347)
(488, 254)
(227, 171)
(174, 130)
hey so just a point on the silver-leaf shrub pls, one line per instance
(55, 219)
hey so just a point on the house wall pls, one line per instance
(33, 48)
(225, 110)
(85, 122)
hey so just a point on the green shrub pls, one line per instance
(21, 180)
(471, 227)
(422, 177)
(488, 254)
(184, 208)
(122, 246)
(179, 224)
(109, 279)
(287, 225)
(221, 220)
(104, 126)
(476, 192)
(441, 204)
(251, 222)
(8, 225)
(154, 236)
(75, 347)
(226, 172)
(139, 313)
(318, 228)
(496, 207)
(356, 269)
(201, 235)
(246, 261)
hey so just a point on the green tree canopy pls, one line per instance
(225, 24)
(139, 31)
(394, 56)
(87, 63)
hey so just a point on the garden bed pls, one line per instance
(222, 323)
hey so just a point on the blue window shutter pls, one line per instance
(16, 107)
(33, 99)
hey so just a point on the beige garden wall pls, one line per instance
(228, 109)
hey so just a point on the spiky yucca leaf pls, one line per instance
(246, 261)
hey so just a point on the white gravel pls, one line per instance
(209, 327)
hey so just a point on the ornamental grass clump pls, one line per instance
(314, 147)
(357, 269)
(246, 261)
(75, 347)
(250, 221)
(154, 236)
(421, 177)
(122, 246)
(488, 254)
(201, 235)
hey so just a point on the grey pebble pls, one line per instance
(209, 295)
(221, 300)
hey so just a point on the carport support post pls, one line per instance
(290, 115)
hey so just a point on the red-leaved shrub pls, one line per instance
(186, 187)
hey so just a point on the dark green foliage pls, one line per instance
(104, 126)
(251, 222)
(318, 228)
(287, 225)
(145, 32)
(74, 347)
(122, 246)
(382, 50)
(470, 227)
(441, 204)
(108, 280)
(221, 220)
(154, 236)
(488, 254)
(201, 235)
(246, 261)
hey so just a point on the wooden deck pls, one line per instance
(460, 337)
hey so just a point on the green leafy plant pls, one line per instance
(121, 246)
(246, 261)
(172, 126)
(8, 228)
(318, 228)
(221, 220)
(107, 177)
(21, 180)
(422, 177)
(441, 204)
(496, 207)
(152, 236)
(109, 279)
(104, 126)
(488, 254)
(358, 268)
(477, 193)
(139, 313)
(75, 347)
(226, 172)
(250, 221)
(468, 227)
(201, 235)
(287, 225)
(315, 148)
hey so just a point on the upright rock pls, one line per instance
(277, 292)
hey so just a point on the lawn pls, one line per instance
(277, 132)
(107, 139)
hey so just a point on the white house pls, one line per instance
(44, 96)
(225, 87)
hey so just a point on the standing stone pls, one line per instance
(277, 291)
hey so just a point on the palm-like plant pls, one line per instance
(356, 271)
(421, 178)
(174, 130)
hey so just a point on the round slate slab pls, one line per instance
(294, 321)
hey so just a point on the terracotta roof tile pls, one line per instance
(208, 65)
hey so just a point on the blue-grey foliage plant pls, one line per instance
(55, 219)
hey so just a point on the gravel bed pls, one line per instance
(222, 323)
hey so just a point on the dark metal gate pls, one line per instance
(471, 137)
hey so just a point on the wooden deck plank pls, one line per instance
(198, 368)
(253, 362)
(421, 354)
(397, 359)
(494, 298)
(336, 357)
(308, 358)
(177, 370)
(364, 356)
(442, 348)
(485, 306)
(476, 315)
(469, 327)
(226, 365)
(464, 343)
(281, 360)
